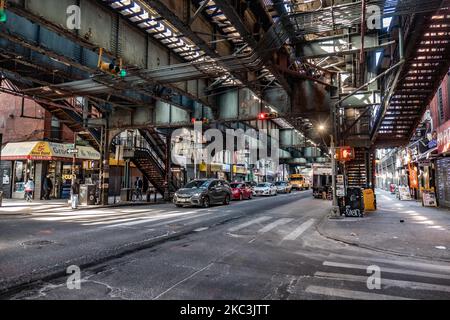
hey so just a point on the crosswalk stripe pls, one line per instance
(112, 220)
(387, 270)
(389, 282)
(249, 223)
(299, 231)
(351, 294)
(274, 224)
(153, 219)
(429, 266)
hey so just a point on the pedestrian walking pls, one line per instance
(29, 190)
(138, 184)
(75, 191)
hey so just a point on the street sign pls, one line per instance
(72, 151)
(340, 178)
(340, 190)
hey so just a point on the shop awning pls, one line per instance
(44, 150)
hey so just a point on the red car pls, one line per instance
(240, 191)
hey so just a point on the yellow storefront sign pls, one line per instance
(239, 169)
(41, 151)
(203, 167)
(216, 167)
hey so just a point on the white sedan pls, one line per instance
(265, 189)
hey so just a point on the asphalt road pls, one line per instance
(266, 248)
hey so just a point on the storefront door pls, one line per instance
(443, 182)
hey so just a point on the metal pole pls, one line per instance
(1, 171)
(168, 167)
(335, 208)
(75, 134)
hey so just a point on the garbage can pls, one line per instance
(369, 200)
(354, 203)
(87, 194)
(125, 194)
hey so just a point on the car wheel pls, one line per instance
(206, 203)
(227, 200)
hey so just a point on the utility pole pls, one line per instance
(1, 171)
(335, 207)
(74, 156)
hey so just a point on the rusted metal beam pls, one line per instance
(235, 19)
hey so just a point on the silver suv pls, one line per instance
(203, 193)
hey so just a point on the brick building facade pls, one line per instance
(25, 120)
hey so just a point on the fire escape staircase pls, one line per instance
(147, 152)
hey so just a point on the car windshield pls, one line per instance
(280, 183)
(262, 185)
(197, 184)
(236, 185)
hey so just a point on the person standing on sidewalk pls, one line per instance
(75, 191)
(48, 186)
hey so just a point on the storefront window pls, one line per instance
(19, 176)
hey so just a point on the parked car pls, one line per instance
(283, 187)
(203, 193)
(240, 191)
(265, 189)
(252, 186)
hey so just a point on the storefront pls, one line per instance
(39, 159)
(239, 173)
(443, 166)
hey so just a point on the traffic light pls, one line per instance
(3, 16)
(111, 67)
(345, 154)
(267, 115)
(202, 120)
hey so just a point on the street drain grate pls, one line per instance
(36, 243)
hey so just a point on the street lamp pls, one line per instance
(335, 207)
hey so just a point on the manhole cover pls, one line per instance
(36, 243)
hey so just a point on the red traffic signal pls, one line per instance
(203, 120)
(267, 115)
(262, 116)
(345, 154)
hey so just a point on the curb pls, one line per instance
(372, 248)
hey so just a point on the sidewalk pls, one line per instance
(19, 206)
(400, 227)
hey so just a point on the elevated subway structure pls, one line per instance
(311, 62)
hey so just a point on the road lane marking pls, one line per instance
(249, 223)
(155, 219)
(274, 224)
(387, 270)
(300, 230)
(436, 267)
(388, 282)
(351, 294)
